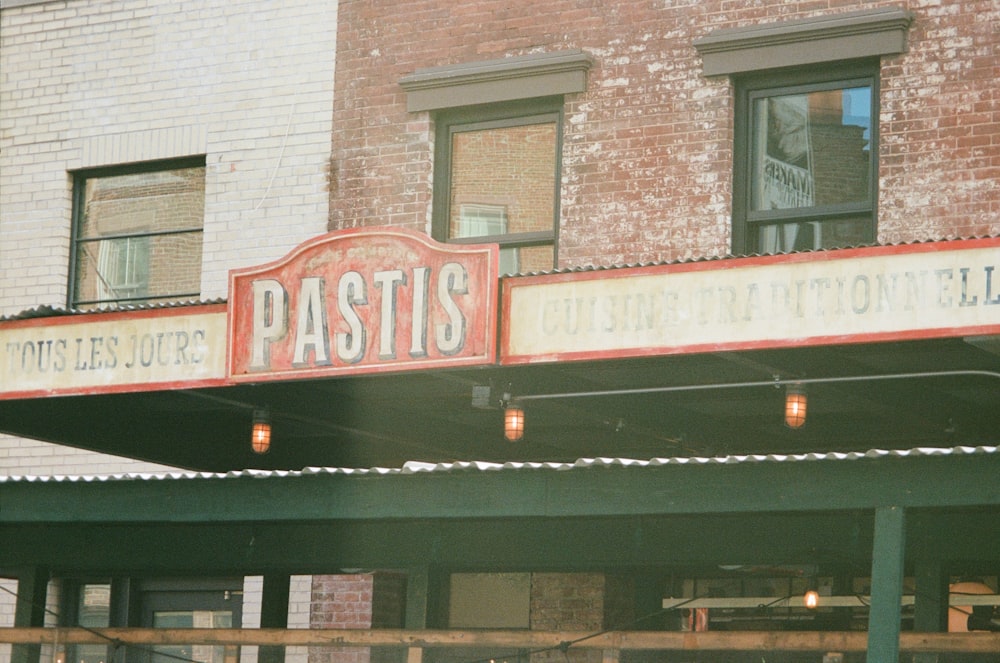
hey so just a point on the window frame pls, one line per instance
(449, 122)
(798, 80)
(79, 181)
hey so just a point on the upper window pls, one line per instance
(497, 150)
(138, 234)
(805, 167)
(497, 181)
(806, 125)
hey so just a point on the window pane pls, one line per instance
(811, 149)
(144, 202)
(809, 235)
(93, 611)
(193, 619)
(526, 259)
(508, 168)
(139, 237)
(139, 269)
(481, 220)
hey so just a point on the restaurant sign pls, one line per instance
(854, 295)
(362, 301)
(113, 352)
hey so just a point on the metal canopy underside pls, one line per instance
(386, 420)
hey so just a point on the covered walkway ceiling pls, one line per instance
(386, 420)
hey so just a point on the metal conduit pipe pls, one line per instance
(777, 381)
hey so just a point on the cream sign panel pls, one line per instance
(882, 293)
(110, 352)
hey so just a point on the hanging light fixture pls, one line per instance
(260, 433)
(795, 405)
(513, 422)
(811, 599)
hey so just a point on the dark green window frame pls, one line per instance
(79, 243)
(815, 78)
(451, 122)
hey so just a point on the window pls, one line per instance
(87, 604)
(806, 139)
(188, 603)
(498, 181)
(497, 150)
(138, 234)
(805, 166)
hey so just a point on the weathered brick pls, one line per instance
(651, 118)
(77, 72)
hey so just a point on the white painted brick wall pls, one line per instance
(20, 457)
(8, 590)
(249, 83)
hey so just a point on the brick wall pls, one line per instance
(647, 172)
(356, 601)
(20, 457)
(585, 602)
(88, 84)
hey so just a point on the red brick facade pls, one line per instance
(355, 601)
(558, 601)
(647, 152)
(363, 600)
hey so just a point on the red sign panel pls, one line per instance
(362, 301)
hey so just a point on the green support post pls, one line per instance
(274, 613)
(930, 614)
(29, 610)
(887, 585)
(417, 592)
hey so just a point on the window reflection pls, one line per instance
(811, 169)
(139, 236)
(503, 185)
(193, 619)
(811, 149)
(93, 611)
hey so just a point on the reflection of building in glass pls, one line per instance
(512, 168)
(786, 173)
(140, 237)
(810, 153)
(840, 150)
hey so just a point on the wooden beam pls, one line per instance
(814, 641)
(854, 601)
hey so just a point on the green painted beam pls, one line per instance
(887, 584)
(840, 540)
(955, 480)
